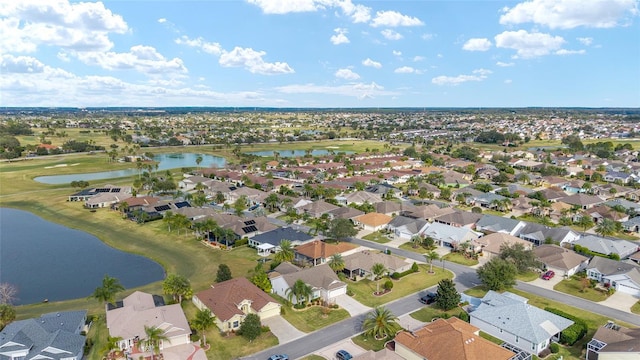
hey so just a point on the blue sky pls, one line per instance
(320, 53)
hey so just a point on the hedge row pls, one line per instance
(397, 275)
(574, 332)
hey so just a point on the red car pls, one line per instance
(548, 275)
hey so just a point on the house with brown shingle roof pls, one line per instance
(372, 221)
(448, 339)
(232, 300)
(324, 283)
(317, 208)
(359, 264)
(491, 244)
(316, 252)
(563, 262)
(612, 341)
(583, 200)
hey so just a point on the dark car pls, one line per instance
(279, 357)
(548, 275)
(343, 355)
(430, 298)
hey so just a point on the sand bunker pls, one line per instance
(55, 166)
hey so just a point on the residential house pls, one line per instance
(623, 177)
(232, 300)
(54, 335)
(317, 208)
(390, 208)
(584, 201)
(191, 181)
(86, 194)
(459, 218)
(508, 317)
(316, 252)
(106, 199)
(604, 246)
(384, 190)
(448, 339)
(253, 196)
(632, 225)
(451, 236)
(600, 212)
(404, 227)
(627, 205)
(492, 224)
(622, 276)
(614, 342)
(491, 245)
(359, 264)
(269, 242)
(129, 318)
(345, 212)
(359, 198)
(539, 234)
(372, 221)
(324, 283)
(562, 261)
(428, 212)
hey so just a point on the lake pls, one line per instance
(298, 153)
(45, 260)
(166, 162)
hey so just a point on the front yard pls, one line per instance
(458, 258)
(574, 287)
(430, 312)
(363, 290)
(312, 318)
(378, 237)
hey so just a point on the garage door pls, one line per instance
(339, 291)
(628, 290)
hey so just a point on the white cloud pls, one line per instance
(504, 64)
(394, 19)
(569, 14)
(144, 59)
(478, 75)
(346, 74)
(508, 81)
(20, 64)
(200, 43)
(477, 44)
(397, 53)
(390, 34)
(529, 45)
(587, 41)
(359, 90)
(162, 20)
(371, 63)
(418, 58)
(571, 52)
(252, 61)
(358, 13)
(404, 70)
(427, 36)
(84, 26)
(339, 37)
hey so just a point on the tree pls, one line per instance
(378, 269)
(430, 256)
(251, 327)
(447, 296)
(336, 263)
(224, 273)
(606, 227)
(7, 314)
(524, 259)
(7, 293)
(198, 160)
(204, 320)
(380, 323)
(154, 336)
(416, 240)
(341, 229)
(177, 286)
(585, 222)
(261, 279)
(497, 274)
(300, 291)
(286, 252)
(107, 292)
(112, 344)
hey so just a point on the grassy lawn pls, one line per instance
(636, 308)
(363, 290)
(369, 343)
(378, 237)
(573, 287)
(312, 318)
(491, 338)
(478, 291)
(460, 259)
(430, 312)
(409, 247)
(313, 357)
(528, 276)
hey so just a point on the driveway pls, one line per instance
(547, 284)
(184, 352)
(281, 328)
(409, 323)
(330, 351)
(351, 305)
(620, 301)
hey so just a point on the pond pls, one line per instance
(45, 260)
(299, 153)
(166, 162)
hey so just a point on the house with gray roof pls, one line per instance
(359, 198)
(492, 224)
(604, 246)
(632, 224)
(359, 264)
(626, 204)
(583, 200)
(459, 218)
(323, 281)
(404, 227)
(388, 207)
(624, 277)
(450, 236)
(54, 336)
(538, 234)
(269, 241)
(508, 317)
(563, 262)
(345, 212)
(612, 341)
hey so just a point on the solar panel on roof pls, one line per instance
(182, 204)
(250, 222)
(162, 207)
(115, 190)
(248, 229)
(102, 190)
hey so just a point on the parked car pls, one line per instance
(343, 355)
(279, 357)
(548, 275)
(430, 298)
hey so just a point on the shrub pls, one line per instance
(195, 338)
(350, 292)
(414, 267)
(463, 316)
(611, 291)
(388, 285)
(574, 332)
(554, 347)
(397, 275)
(265, 329)
(241, 242)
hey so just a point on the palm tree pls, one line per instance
(606, 227)
(112, 344)
(337, 262)
(430, 256)
(154, 336)
(416, 240)
(380, 323)
(107, 292)
(286, 251)
(300, 291)
(168, 219)
(198, 160)
(378, 270)
(203, 321)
